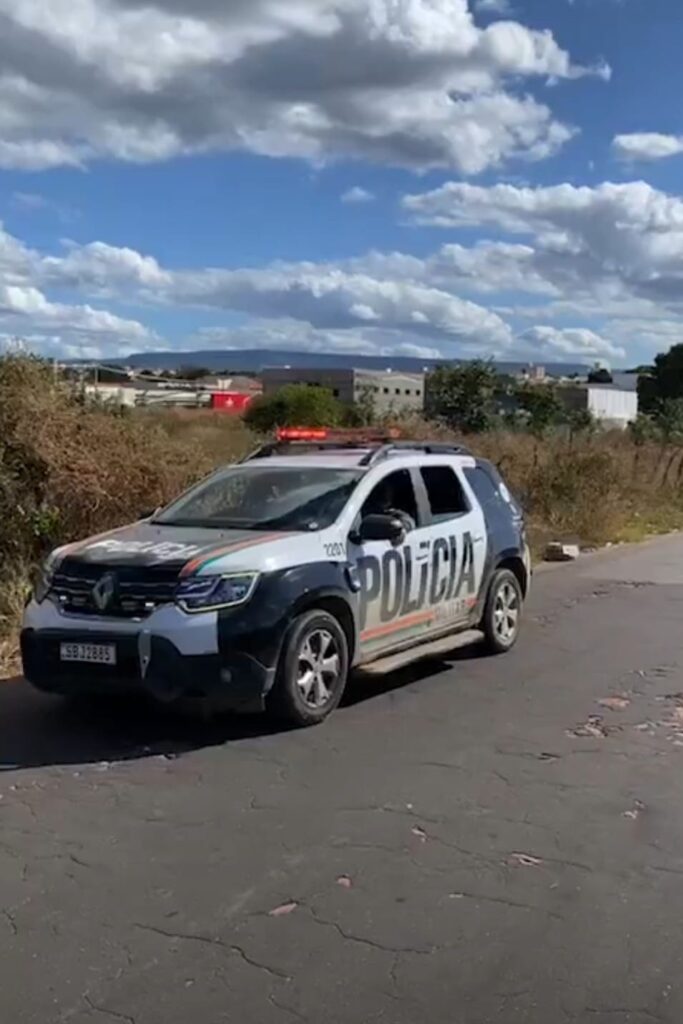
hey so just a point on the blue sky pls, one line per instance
(424, 177)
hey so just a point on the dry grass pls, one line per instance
(67, 471)
(13, 594)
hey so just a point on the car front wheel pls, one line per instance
(503, 613)
(313, 670)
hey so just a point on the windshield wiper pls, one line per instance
(200, 524)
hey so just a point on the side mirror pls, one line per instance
(382, 527)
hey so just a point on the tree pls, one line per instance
(581, 421)
(600, 376)
(363, 413)
(663, 381)
(296, 405)
(644, 429)
(463, 397)
(669, 419)
(542, 406)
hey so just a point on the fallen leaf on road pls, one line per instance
(286, 908)
(420, 833)
(345, 882)
(675, 698)
(676, 718)
(635, 813)
(524, 860)
(614, 703)
(592, 729)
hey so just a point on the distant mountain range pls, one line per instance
(255, 360)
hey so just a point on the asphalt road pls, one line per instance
(475, 840)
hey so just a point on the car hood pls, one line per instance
(180, 549)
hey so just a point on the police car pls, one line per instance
(266, 584)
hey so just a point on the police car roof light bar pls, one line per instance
(323, 439)
(361, 437)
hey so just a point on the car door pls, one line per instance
(457, 546)
(394, 578)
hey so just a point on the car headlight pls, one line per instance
(211, 593)
(44, 579)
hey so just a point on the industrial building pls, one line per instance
(390, 392)
(611, 405)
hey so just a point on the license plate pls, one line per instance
(90, 654)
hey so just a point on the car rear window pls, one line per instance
(489, 487)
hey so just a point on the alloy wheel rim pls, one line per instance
(318, 668)
(506, 613)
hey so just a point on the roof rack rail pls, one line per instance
(427, 447)
(376, 444)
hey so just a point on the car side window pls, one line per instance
(446, 496)
(483, 486)
(395, 493)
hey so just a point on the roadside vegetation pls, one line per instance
(69, 469)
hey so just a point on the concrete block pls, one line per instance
(558, 552)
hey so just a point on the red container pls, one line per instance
(234, 402)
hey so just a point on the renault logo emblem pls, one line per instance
(104, 591)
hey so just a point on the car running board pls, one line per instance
(435, 649)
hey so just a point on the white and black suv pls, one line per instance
(264, 585)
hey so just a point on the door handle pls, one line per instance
(479, 539)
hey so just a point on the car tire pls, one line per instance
(503, 612)
(313, 670)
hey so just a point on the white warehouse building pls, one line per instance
(612, 405)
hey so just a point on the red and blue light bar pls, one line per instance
(361, 436)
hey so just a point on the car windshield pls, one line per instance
(265, 498)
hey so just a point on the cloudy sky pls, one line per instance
(450, 178)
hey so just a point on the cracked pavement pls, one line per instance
(470, 840)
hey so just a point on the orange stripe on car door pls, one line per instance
(394, 627)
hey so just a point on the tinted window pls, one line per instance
(446, 496)
(265, 498)
(483, 486)
(486, 482)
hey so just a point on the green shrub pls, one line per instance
(296, 405)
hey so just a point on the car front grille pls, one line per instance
(136, 592)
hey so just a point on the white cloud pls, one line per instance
(69, 331)
(594, 272)
(358, 195)
(647, 146)
(293, 335)
(337, 300)
(560, 344)
(102, 269)
(611, 241)
(493, 7)
(415, 83)
(333, 298)
(29, 201)
(17, 262)
(36, 203)
(326, 296)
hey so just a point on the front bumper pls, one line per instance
(171, 659)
